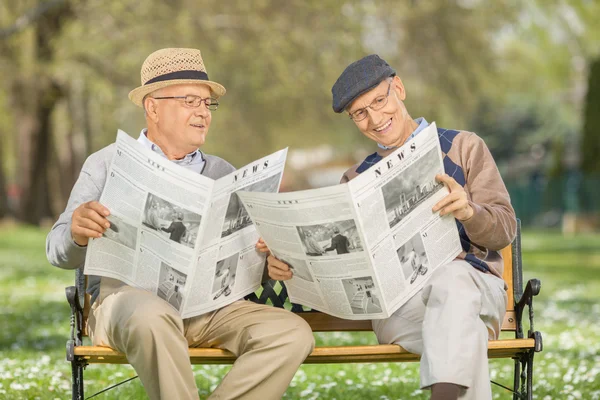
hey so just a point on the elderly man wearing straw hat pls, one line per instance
(463, 304)
(270, 343)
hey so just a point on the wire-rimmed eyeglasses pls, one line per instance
(193, 101)
(375, 105)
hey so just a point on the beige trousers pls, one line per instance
(449, 323)
(270, 343)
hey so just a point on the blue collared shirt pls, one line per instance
(192, 161)
(422, 125)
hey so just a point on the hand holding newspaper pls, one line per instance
(362, 249)
(178, 234)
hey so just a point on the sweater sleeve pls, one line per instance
(493, 224)
(350, 174)
(61, 249)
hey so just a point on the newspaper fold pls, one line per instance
(360, 250)
(178, 234)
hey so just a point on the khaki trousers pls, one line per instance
(449, 323)
(270, 343)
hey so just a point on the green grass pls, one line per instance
(35, 322)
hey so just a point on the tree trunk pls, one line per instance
(36, 199)
(590, 143)
(4, 210)
(39, 93)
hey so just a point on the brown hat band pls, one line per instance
(200, 75)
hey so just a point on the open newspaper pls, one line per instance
(360, 250)
(178, 234)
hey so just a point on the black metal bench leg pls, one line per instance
(530, 375)
(77, 379)
(523, 382)
(517, 380)
(77, 364)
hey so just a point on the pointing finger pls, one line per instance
(448, 181)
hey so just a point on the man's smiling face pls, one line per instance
(391, 125)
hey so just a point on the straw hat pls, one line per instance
(170, 66)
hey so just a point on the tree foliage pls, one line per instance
(69, 65)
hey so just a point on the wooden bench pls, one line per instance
(521, 348)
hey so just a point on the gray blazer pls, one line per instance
(61, 250)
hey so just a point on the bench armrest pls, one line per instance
(532, 289)
(76, 338)
(73, 298)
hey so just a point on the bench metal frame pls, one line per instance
(521, 349)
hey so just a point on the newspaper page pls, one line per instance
(161, 222)
(360, 250)
(316, 233)
(231, 266)
(406, 239)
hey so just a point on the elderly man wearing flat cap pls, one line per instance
(270, 343)
(451, 319)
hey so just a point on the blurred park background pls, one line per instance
(523, 75)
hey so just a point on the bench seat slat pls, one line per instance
(320, 355)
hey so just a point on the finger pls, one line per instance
(263, 249)
(440, 177)
(280, 270)
(93, 215)
(87, 217)
(262, 246)
(85, 223)
(450, 209)
(280, 275)
(457, 206)
(448, 181)
(99, 208)
(80, 231)
(450, 198)
(275, 263)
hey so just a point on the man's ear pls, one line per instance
(151, 108)
(399, 87)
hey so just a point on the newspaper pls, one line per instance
(360, 250)
(178, 234)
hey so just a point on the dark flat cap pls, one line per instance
(358, 78)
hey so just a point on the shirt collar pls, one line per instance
(195, 155)
(422, 125)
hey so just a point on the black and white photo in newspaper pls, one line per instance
(407, 191)
(171, 284)
(362, 295)
(337, 237)
(236, 216)
(413, 259)
(171, 221)
(224, 278)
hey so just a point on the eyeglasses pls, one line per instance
(193, 101)
(375, 105)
